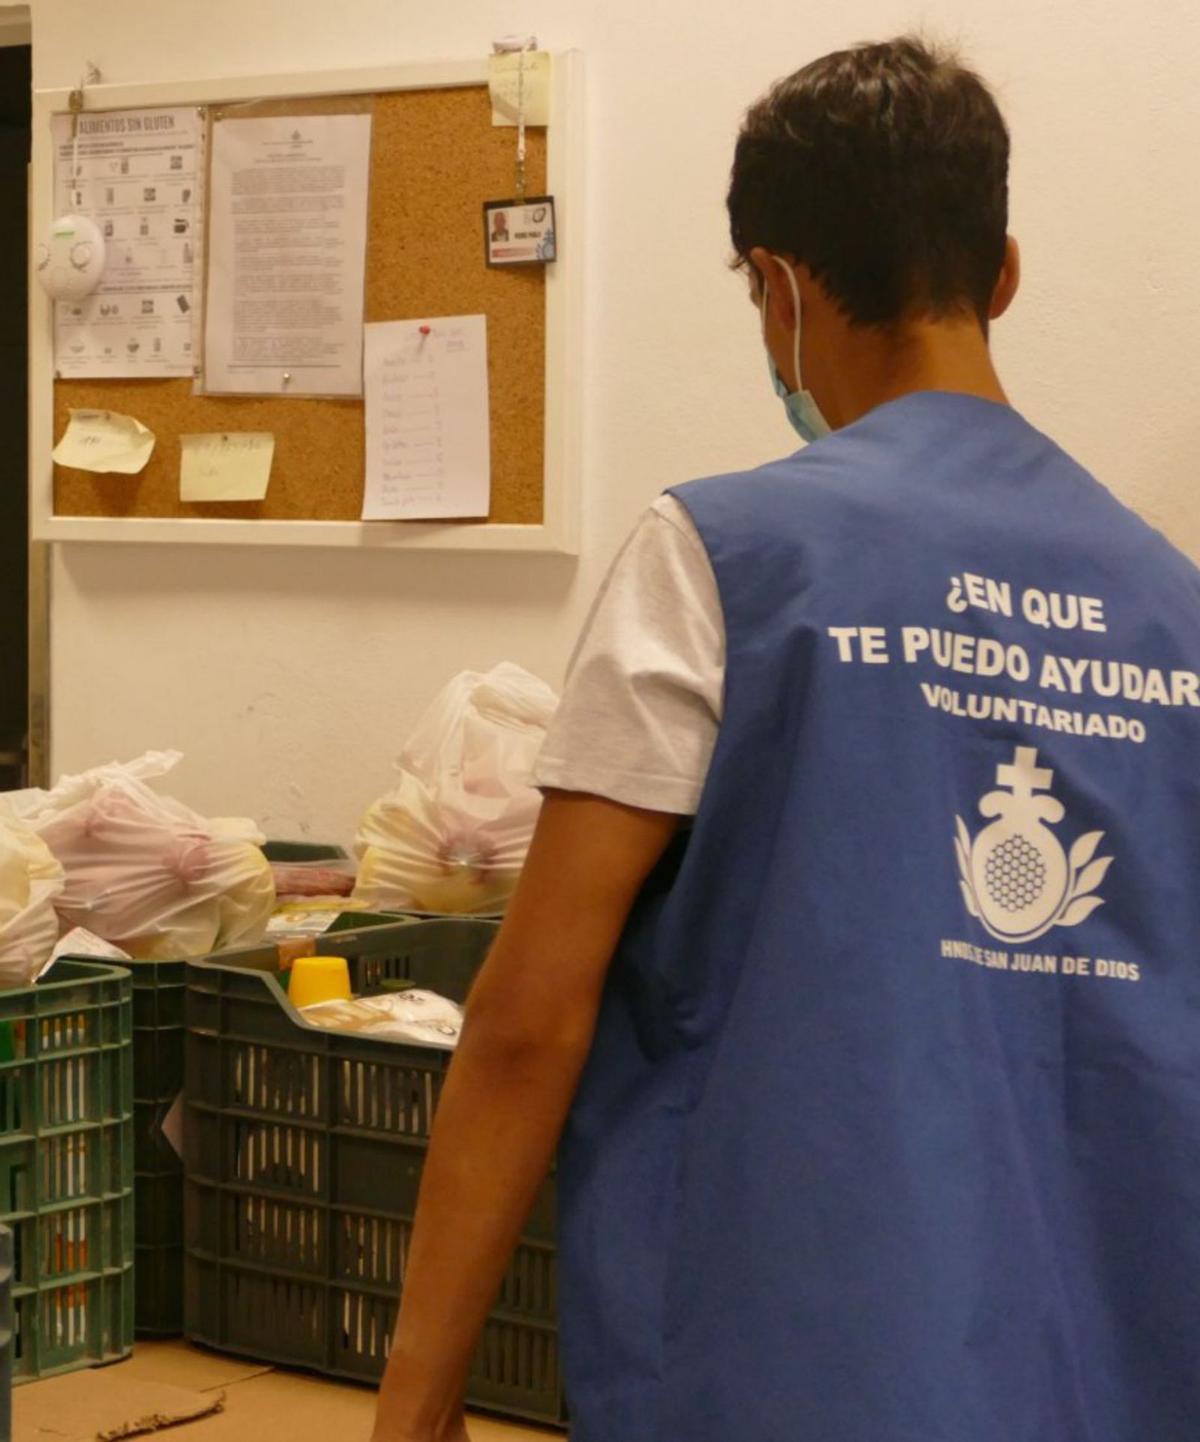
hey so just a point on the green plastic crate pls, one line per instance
(6, 1333)
(158, 1029)
(441, 954)
(303, 1157)
(66, 1167)
(413, 915)
(157, 1011)
(304, 851)
(158, 992)
(360, 920)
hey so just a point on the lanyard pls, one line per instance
(521, 126)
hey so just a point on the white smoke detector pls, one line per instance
(70, 261)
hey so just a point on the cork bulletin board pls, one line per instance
(435, 158)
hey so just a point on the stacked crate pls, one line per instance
(304, 1150)
(66, 1167)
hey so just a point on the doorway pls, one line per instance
(15, 83)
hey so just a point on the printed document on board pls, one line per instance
(139, 175)
(428, 428)
(287, 242)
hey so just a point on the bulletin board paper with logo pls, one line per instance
(139, 175)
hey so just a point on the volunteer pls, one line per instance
(860, 938)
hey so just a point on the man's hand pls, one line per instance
(528, 1031)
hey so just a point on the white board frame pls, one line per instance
(559, 530)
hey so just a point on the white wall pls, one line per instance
(289, 679)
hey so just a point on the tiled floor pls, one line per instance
(295, 1407)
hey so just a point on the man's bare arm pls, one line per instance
(529, 1025)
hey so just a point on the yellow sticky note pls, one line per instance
(505, 84)
(104, 441)
(226, 466)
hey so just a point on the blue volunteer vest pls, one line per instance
(891, 1129)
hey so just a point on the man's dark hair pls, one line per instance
(884, 170)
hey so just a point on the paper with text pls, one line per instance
(139, 174)
(104, 441)
(428, 432)
(287, 252)
(225, 466)
(505, 84)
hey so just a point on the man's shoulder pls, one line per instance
(797, 488)
(782, 473)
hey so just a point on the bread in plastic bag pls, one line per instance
(30, 880)
(453, 834)
(146, 872)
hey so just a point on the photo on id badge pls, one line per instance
(519, 232)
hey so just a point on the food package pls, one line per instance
(30, 881)
(313, 878)
(412, 1015)
(145, 872)
(453, 834)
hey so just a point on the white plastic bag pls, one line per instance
(144, 871)
(413, 1015)
(30, 880)
(453, 835)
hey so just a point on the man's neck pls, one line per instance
(941, 355)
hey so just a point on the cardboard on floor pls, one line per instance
(183, 1387)
(97, 1407)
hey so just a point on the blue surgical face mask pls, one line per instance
(802, 409)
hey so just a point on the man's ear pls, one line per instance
(1008, 281)
(779, 298)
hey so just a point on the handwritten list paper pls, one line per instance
(428, 435)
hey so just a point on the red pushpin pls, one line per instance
(424, 330)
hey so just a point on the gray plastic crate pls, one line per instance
(303, 1157)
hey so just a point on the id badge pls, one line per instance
(519, 232)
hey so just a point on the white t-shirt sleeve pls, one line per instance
(642, 704)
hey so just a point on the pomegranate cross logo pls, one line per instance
(1015, 876)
